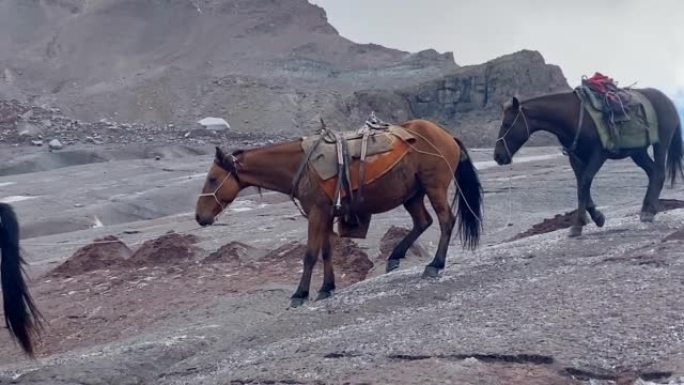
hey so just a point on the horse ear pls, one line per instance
(515, 103)
(228, 163)
(219, 154)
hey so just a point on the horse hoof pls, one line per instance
(599, 219)
(430, 272)
(584, 220)
(324, 294)
(297, 302)
(575, 231)
(646, 217)
(392, 264)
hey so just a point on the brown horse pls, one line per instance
(435, 159)
(21, 315)
(559, 114)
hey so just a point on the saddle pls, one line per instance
(340, 161)
(623, 117)
(604, 94)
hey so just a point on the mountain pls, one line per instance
(266, 66)
(468, 100)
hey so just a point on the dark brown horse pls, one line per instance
(434, 160)
(21, 315)
(559, 114)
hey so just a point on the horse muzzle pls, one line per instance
(502, 159)
(204, 221)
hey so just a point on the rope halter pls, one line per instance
(213, 194)
(218, 188)
(515, 120)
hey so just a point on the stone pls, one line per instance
(55, 144)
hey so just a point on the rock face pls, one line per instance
(468, 100)
(267, 66)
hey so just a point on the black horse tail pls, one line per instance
(674, 156)
(21, 315)
(469, 196)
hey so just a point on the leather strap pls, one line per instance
(580, 122)
(300, 172)
(362, 168)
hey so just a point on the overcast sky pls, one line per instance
(630, 40)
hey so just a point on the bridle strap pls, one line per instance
(213, 194)
(515, 120)
(302, 167)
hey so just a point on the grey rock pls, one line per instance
(468, 100)
(55, 144)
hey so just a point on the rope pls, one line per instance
(515, 120)
(510, 195)
(213, 194)
(502, 139)
(453, 172)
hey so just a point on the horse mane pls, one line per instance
(509, 103)
(268, 146)
(545, 96)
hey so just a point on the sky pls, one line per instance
(632, 41)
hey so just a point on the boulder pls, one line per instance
(55, 144)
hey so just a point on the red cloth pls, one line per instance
(601, 83)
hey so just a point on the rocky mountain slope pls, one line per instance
(468, 99)
(266, 66)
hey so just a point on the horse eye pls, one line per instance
(212, 180)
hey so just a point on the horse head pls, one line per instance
(220, 188)
(513, 133)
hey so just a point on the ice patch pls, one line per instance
(484, 164)
(15, 198)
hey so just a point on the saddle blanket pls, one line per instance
(640, 130)
(324, 157)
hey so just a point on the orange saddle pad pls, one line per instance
(376, 166)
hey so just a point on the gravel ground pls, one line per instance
(601, 309)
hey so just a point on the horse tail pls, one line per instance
(674, 156)
(21, 315)
(469, 196)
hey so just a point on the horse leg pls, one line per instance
(595, 214)
(328, 286)
(440, 203)
(318, 231)
(583, 192)
(656, 179)
(421, 221)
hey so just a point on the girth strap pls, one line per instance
(362, 168)
(302, 167)
(580, 122)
